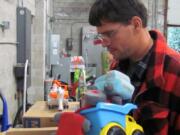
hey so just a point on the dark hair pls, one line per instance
(117, 11)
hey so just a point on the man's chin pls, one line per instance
(119, 57)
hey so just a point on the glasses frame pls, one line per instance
(108, 34)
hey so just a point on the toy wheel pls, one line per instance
(72, 99)
(66, 106)
(112, 128)
(115, 130)
(137, 132)
(49, 107)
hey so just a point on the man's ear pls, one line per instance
(136, 22)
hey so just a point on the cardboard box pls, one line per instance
(31, 131)
(39, 115)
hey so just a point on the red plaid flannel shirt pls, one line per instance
(158, 97)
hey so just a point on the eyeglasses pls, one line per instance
(108, 34)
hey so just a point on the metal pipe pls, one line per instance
(156, 13)
(153, 13)
(72, 24)
(25, 86)
(17, 3)
(45, 4)
(9, 43)
(73, 19)
(150, 10)
(165, 18)
(22, 3)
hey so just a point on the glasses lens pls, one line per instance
(99, 36)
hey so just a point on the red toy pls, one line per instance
(70, 123)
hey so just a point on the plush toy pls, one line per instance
(92, 97)
(115, 83)
(111, 87)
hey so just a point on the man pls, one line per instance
(144, 56)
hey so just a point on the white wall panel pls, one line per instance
(173, 12)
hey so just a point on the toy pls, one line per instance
(108, 118)
(4, 121)
(78, 80)
(58, 95)
(117, 119)
(102, 108)
(114, 86)
(70, 123)
(115, 83)
(103, 119)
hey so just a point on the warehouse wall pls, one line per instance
(70, 15)
(36, 91)
(8, 53)
(156, 11)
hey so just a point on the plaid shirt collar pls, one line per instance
(137, 68)
(137, 72)
(142, 65)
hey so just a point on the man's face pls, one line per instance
(118, 39)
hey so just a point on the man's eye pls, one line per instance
(108, 34)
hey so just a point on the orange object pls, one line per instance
(53, 94)
(64, 86)
(57, 82)
(66, 94)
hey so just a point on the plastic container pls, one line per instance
(105, 113)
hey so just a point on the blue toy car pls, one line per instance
(112, 119)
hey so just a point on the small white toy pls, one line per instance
(58, 96)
